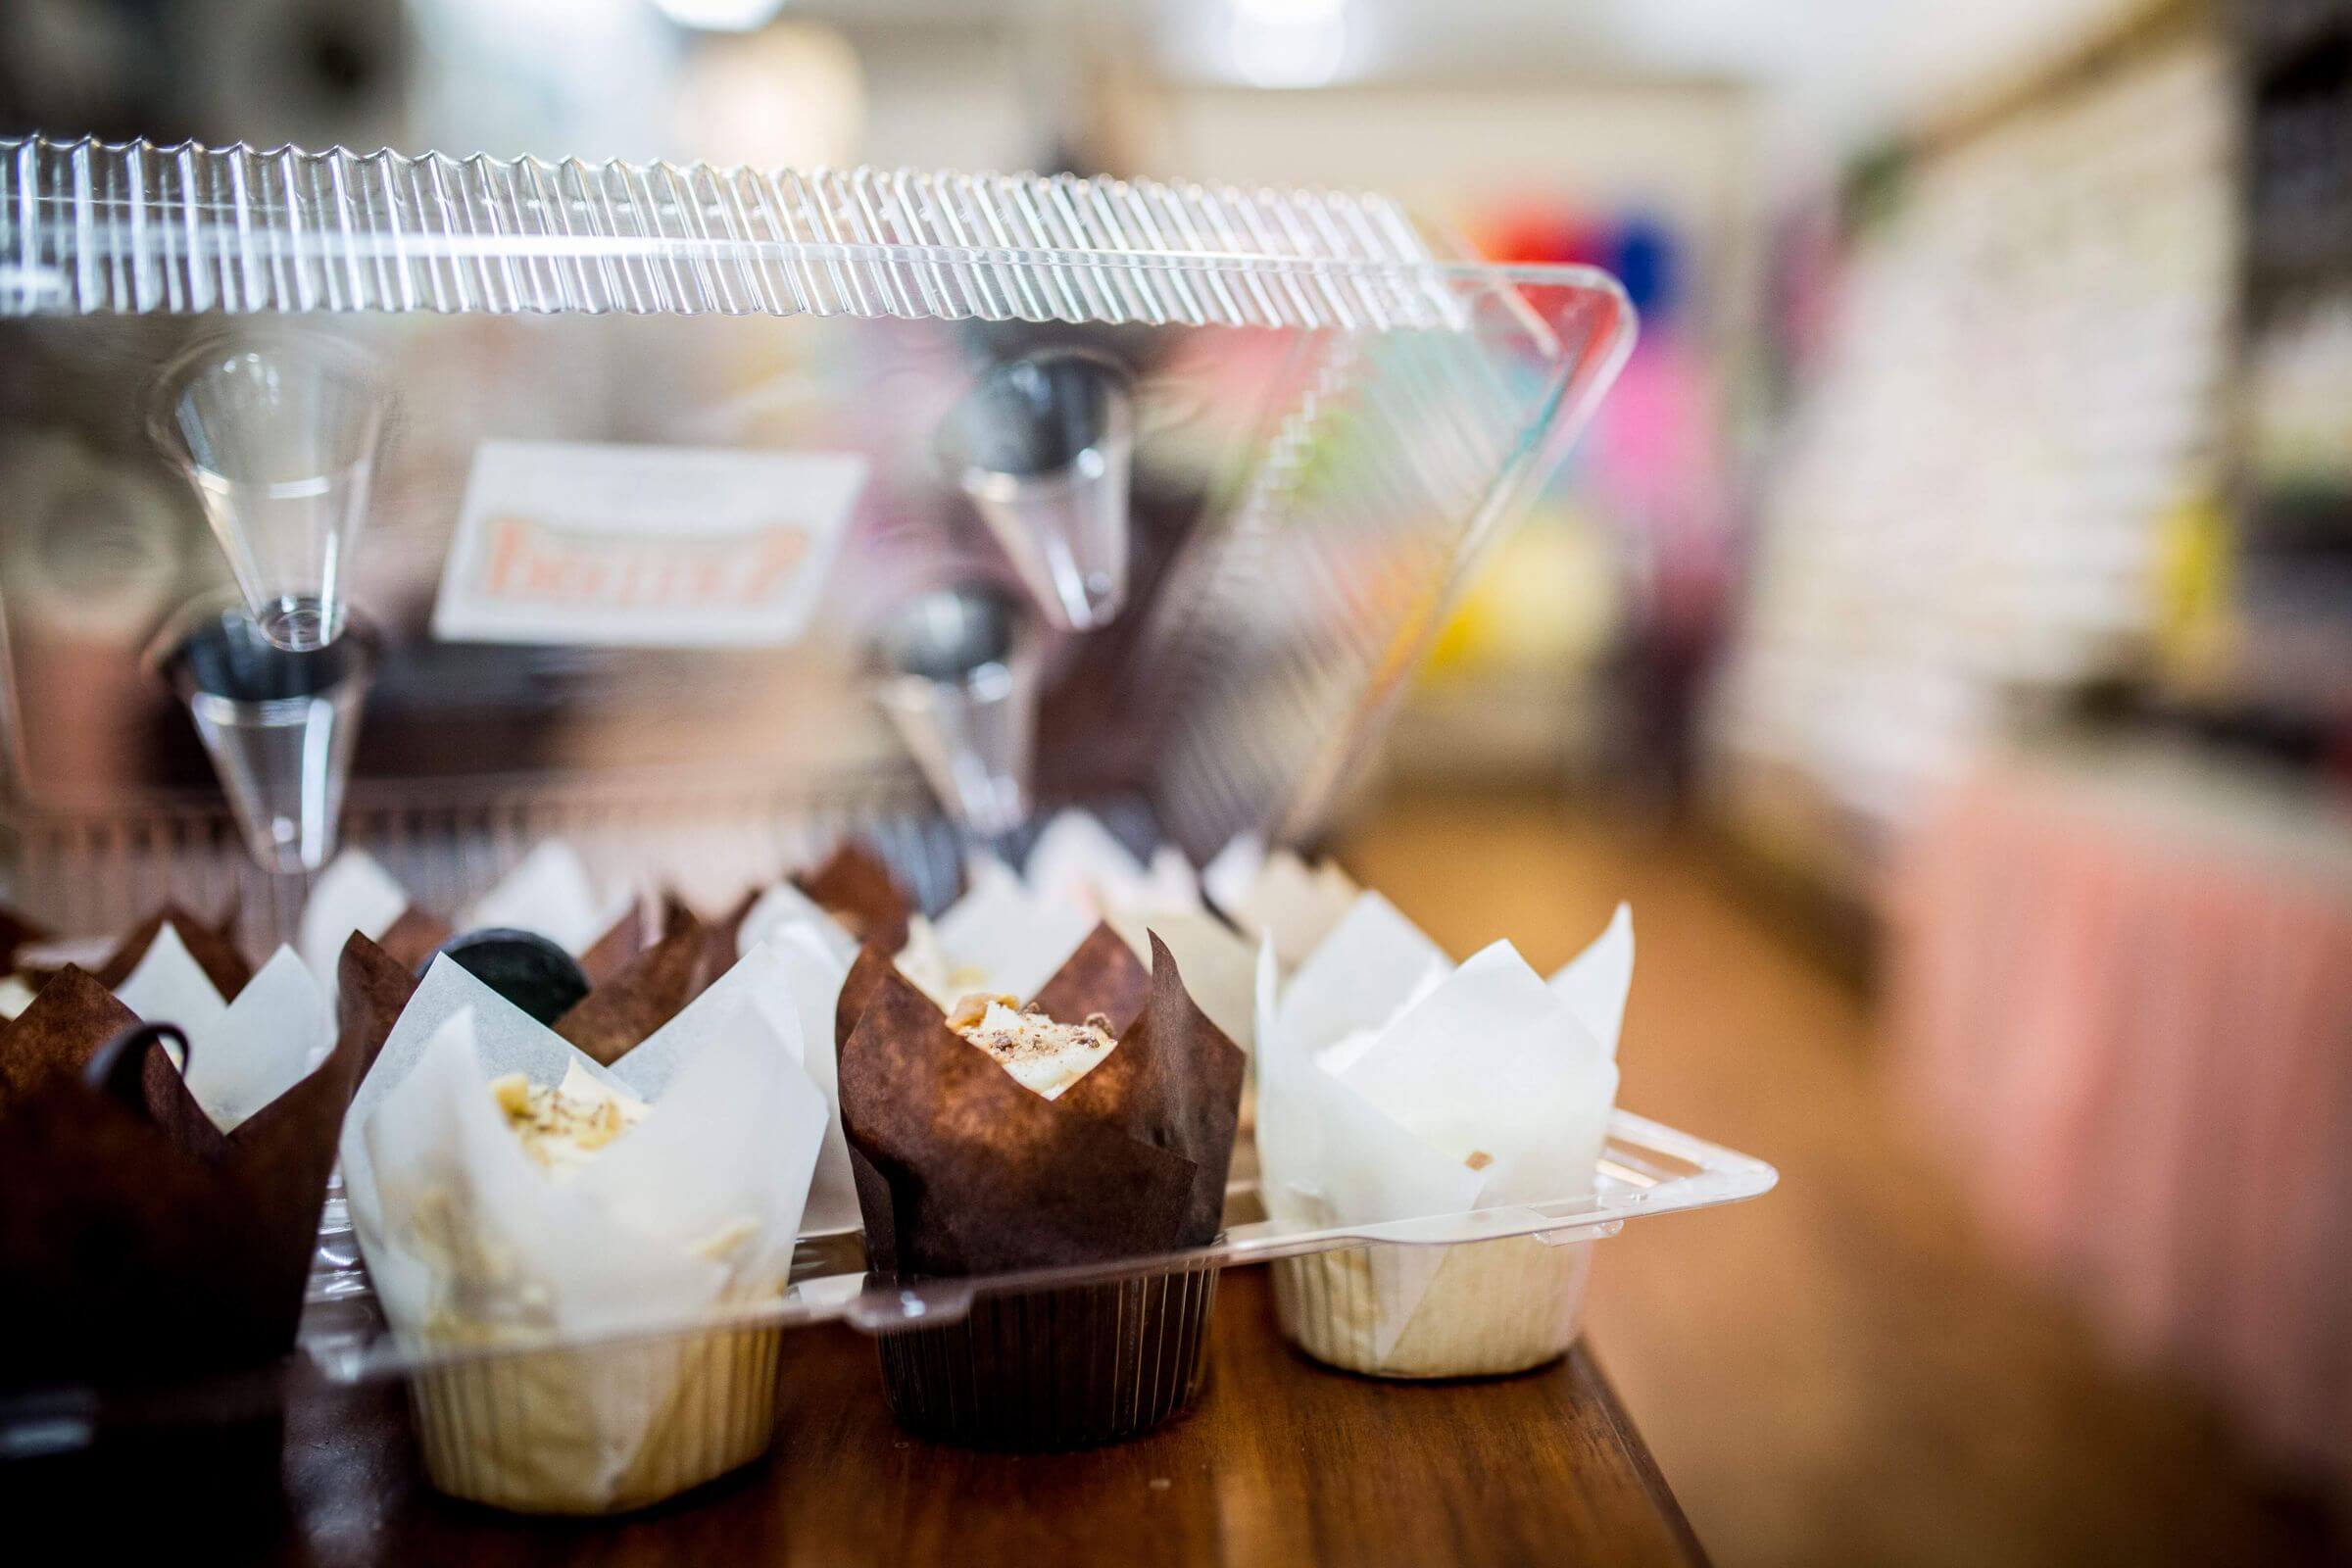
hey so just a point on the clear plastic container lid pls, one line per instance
(1335, 412)
(1333, 415)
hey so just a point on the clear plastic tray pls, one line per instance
(1647, 1168)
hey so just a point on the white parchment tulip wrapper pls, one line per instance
(1076, 859)
(548, 892)
(816, 951)
(1384, 1071)
(1001, 937)
(689, 1213)
(1082, 872)
(242, 1052)
(1276, 896)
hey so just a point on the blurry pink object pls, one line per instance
(2125, 994)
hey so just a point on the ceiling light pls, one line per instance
(720, 15)
(1289, 13)
(1288, 44)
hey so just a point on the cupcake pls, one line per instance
(580, 1260)
(194, 1131)
(1394, 1085)
(1088, 1122)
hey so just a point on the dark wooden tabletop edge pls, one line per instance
(1643, 1463)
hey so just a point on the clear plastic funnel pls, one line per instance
(280, 726)
(957, 672)
(279, 436)
(1042, 446)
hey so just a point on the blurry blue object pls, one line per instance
(1646, 257)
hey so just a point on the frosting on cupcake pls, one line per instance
(1044, 1056)
(562, 1126)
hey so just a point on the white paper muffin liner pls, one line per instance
(566, 1432)
(1490, 1307)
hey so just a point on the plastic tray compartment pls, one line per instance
(1049, 1357)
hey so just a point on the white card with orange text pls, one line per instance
(643, 546)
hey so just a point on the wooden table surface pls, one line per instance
(1280, 1462)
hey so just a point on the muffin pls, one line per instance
(195, 1132)
(1394, 1086)
(1089, 1123)
(580, 1260)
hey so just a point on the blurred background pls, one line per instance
(1943, 637)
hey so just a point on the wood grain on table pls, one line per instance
(1280, 1462)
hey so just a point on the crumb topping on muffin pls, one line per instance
(562, 1125)
(1041, 1053)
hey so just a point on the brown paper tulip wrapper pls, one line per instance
(963, 1171)
(855, 887)
(213, 947)
(646, 992)
(212, 944)
(851, 884)
(140, 1245)
(26, 1069)
(635, 987)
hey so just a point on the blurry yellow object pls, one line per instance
(2193, 587)
(1549, 596)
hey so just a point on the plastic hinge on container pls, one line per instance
(89, 227)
